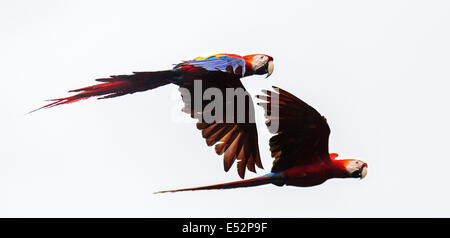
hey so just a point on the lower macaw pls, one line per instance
(300, 147)
(221, 71)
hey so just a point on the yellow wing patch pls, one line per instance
(203, 58)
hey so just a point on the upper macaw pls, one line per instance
(300, 147)
(234, 140)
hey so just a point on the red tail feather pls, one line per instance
(117, 85)
(108, 89)
(265, 179)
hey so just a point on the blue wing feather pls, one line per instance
(216, 63)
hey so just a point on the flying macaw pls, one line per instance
(221, 71)
(300, 147)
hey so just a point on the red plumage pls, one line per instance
(299, 146)
(236, 141)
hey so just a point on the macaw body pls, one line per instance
(299, 146)
(118, 85)
(299, 176)
(315, 174)
(236, 141)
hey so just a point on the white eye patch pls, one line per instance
(259, 61)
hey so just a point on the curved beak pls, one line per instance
(270, 67)
(363, 172)
(360, 173)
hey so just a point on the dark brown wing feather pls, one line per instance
(237, 140)
(301, 132)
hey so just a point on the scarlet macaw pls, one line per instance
(234, 140)
(300, 147)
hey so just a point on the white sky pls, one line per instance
(378, 70)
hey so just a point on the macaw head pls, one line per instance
(258, 64)
(356, 168)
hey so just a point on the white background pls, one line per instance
(378, 70)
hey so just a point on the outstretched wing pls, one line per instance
(301, 132)
(225, 125)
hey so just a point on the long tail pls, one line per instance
(118, 85)
(275, 178)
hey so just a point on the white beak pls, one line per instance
(363, 172)
(269, 68)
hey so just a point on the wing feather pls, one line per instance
(222, 62)
(301, 133)
(234, 140)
